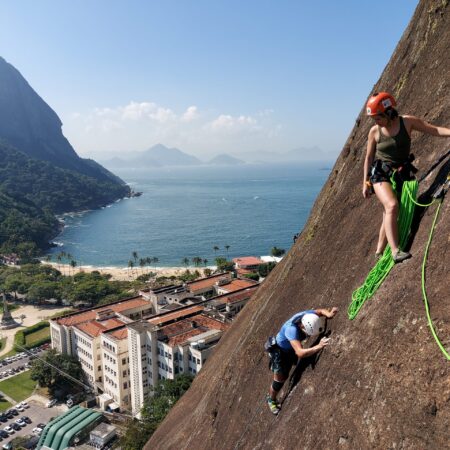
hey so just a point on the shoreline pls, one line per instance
(125, 273)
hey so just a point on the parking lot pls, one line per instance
(14, 364)
(37, 412)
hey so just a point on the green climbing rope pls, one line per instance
(421, 204)
(424, 292)
(384, 265)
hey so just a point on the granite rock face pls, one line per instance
(382, 382)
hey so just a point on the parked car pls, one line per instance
(24, 404)
(3, 418)
(26, 419)
(7, 446)
(8, 429)
(20, 422)
(41, 425)
(4, 434)
(52, 403)
(20, 408)
(16, 426)
(37, 431)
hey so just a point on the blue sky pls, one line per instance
(205, 76)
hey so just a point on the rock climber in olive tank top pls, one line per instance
(388, 147)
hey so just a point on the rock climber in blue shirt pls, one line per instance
(288, 348)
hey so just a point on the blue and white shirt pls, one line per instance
(290, 331)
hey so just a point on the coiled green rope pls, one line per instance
(385, 263)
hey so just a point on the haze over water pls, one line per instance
(185, 212)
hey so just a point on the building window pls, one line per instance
(124, 360)
(125, 385)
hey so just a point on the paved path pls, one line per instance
(33, 314)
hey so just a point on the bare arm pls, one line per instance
(370, 154)
(414, 123)
(305, 352)
(328, 313)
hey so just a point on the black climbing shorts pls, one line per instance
(381, 171)
(281, 362)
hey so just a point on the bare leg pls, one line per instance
(382, 240)
(389, 201)
(277, 377)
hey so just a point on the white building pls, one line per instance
(165, 346)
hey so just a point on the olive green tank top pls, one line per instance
(394, 149)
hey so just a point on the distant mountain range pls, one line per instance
(160, 156)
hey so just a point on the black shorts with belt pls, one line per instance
(382, 171)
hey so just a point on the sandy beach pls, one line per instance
(125, 273)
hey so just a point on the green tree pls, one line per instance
(265, 269)
(223, 265)
(51, 369)
(275, 251)
(15, 283)
(155, 409)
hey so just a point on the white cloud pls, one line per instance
(229, 123)
(138, 125)
(190, 114)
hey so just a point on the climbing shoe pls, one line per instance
(378, 256)
(401, 256)
(274, 406)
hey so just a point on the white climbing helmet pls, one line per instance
(311, 324)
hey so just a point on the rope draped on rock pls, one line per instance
(384, 265)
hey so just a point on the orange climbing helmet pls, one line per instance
(379, 103)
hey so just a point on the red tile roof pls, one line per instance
(159, 320)
(120, 334)
(206, 282)
(235, 285)
(94, 328)
(180, 332)
(90, 314)
(248, 261)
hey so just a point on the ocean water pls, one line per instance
(185, 212)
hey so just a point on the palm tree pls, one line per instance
(155, 260)
(135, 256)
(59, 258)
(215, 248)
(131, 265)
(73, 264)
(142, 263)
(185, 261)
(205, 262)
(227, 247)
(196, 260)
